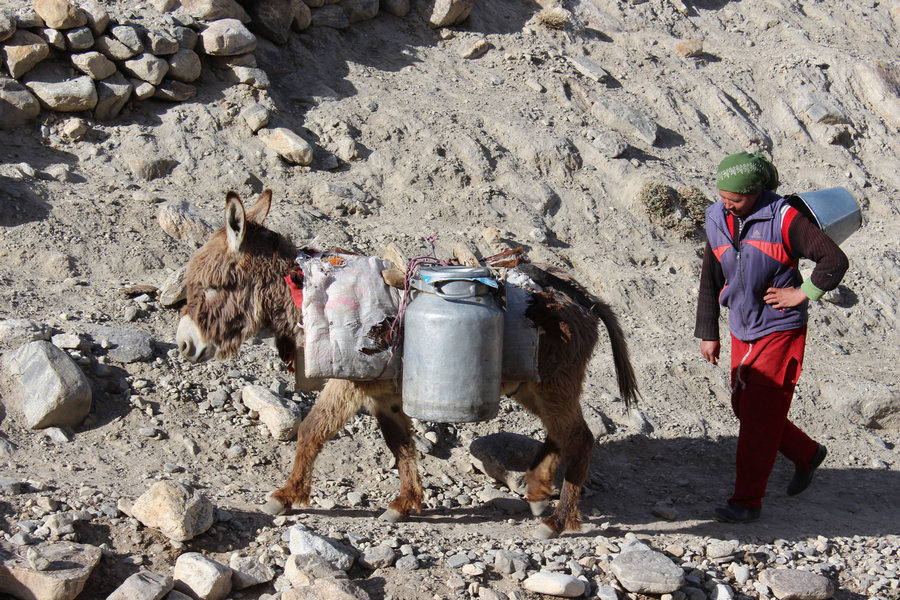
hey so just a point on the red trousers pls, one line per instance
(763, 375)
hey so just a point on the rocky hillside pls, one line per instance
(560, 125)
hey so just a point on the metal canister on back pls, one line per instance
(452, 346)
(833, 210)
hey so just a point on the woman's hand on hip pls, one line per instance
(782, 298)
(710, 350)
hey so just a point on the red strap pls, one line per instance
(729, 218)
(295, 284)
(786, 220)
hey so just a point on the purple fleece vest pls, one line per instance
(754, 262)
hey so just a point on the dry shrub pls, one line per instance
(682, 211)
(554, 17)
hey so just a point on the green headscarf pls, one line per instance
(745, 173)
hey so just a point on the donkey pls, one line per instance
(235, 285)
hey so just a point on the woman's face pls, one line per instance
(739, 205)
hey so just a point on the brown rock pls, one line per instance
(59, 14)
(302, 15)
(22, 51)
(689, 48)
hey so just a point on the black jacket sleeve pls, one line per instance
(712, 280)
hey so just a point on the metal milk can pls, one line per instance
(452, 346)
(834, 210)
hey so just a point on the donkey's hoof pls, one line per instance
(538, 507)
(543, 532)
(273, 506)
(393, 516)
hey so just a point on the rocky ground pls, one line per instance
(408, 139)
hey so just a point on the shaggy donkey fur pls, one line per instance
(235, 286)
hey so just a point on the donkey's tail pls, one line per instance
(547, 275)
(628, 388)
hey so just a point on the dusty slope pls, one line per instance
(451, 146)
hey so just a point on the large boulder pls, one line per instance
(54, 391)
(49, 571)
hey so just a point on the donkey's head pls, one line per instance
(234, 285)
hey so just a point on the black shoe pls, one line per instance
(802, 479)
(735, 513)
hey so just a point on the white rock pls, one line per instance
(287, 144)
(282, 417)
(143, 586)
(303, 541)
(202, 577)
(554, 584)
(174, 509)
(54, 391)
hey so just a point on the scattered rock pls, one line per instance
(202, 577)
(53, 390)
(794, 584)
(176, 510)
(647, 572)
(554, 584)
(281, 416)
(247, 571)
(444, 13)
(143, 586)
(303, 541)
(287, 144)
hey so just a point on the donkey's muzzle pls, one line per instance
(190, 343)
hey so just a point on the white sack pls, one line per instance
(345, 301)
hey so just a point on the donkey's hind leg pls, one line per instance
(396, 428)
(568, 439)
(336, 404)
(539, 476)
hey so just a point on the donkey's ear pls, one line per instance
(235, 222)
(260, 209)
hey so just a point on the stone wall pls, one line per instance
(72, 56)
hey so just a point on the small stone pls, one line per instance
(554, 584)
(287, 144)
(689, 48)
(256, 116)
(476, 50)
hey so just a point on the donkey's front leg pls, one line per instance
(337, 403)
(396, 428)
